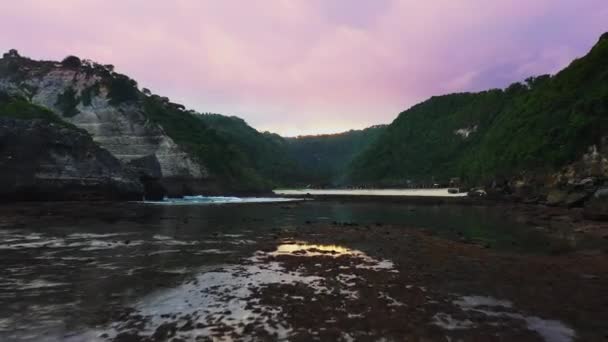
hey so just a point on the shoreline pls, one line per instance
(537, 216)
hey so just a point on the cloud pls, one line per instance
(305, 66)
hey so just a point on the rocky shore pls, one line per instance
(305, 279)
(581, 185)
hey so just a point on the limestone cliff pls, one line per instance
(89, 96)
(40, 160)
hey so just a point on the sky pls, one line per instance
(309, 66)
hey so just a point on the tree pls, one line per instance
(537, 81)
(12, 53)
(146, 91)
(71, 62)
(122, 89)
(516, 88)
(67, 102)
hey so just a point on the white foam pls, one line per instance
(197, 200)
(40, 283)
(169, 241)
(95, 236)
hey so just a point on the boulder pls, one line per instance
(477, 192)
(597, 206)
(556, 197)
(576, 198)
(44, 161)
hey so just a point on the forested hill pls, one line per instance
(539, 125)
(323, 160)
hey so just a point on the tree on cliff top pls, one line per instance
(71, 62)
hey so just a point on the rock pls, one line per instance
(576, 199)
(556, 197)
(128, 337)
(165, 331)
(44, 161)
(153, 190)
(585, 183)
(597, 207)
(477, 193)
(601, 194)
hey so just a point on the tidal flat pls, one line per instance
(305, 270)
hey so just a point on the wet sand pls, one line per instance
(317, 281)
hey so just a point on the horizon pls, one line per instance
(300, 68)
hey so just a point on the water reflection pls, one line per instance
(304, 249)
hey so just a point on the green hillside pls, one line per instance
(323, 160)
(19, 108)
(538, 126)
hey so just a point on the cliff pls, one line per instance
(40, 160)
(104, 104)
(135, 126)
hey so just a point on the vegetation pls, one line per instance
(88, 93)
(537, 126)
(265, 152)
(222, 157)
(20, 108)
(67, 102)
(121, 89)
(322, 160)
(72, 62)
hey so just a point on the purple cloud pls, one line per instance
(310, 66)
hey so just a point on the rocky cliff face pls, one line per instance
(81, 95)
(582, 184)
(44, 161)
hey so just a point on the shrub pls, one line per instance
(71, 62)
(67, 102)
(122, 89)
(12, 53)
(87, 94)
(20, 108)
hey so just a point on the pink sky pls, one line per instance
(309, 66)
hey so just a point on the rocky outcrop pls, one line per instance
(81, 96)
(582, 184)
(44, 161)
